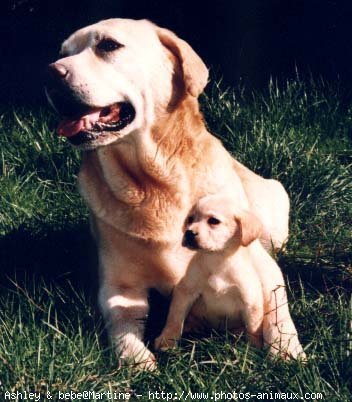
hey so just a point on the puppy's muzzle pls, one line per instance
(190, 240)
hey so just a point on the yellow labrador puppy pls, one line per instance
(226, 282)
(128, 93)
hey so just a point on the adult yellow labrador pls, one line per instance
(128, 93)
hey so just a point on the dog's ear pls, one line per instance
(250, 227)
(195, 72)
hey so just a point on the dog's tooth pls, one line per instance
(87, 123)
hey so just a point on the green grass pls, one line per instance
(51, 335)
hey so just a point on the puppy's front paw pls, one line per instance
(165, 342)
(288, 348)
(294, 351)
(283, 341)
(288, 354)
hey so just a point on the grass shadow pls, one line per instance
(53, 254)
(67, 258)
(319, 274)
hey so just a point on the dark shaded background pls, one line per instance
(244, 40)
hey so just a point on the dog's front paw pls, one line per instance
(165, 342)
(144, 360)
(133, 353)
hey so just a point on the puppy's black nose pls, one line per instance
(189, 239)
(190, 235)
(57, 70)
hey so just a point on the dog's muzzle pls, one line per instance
(59, 94)
(83, 123)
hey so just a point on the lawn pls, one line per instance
(52, 338)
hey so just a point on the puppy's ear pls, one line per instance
(250, 226)
(195, 72)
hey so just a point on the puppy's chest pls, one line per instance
(221, 295)
(219, 285)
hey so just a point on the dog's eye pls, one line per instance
(213, 221)
(108, 45)
(190, 220)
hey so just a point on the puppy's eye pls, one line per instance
(190, 220)
(213, 221)
(108, 45)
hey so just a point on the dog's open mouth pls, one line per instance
(95, 122)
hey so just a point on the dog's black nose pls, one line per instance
(61, 95)
(57, 70)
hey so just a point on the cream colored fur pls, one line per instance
(232, 281)
(141, 182)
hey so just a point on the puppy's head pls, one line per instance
(215, 224)
(116, 76)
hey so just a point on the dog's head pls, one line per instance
(215, 224)
(117, 76)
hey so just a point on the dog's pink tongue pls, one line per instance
(69, 128)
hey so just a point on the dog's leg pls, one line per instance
(182, 300)
(125, 311)
(268, 200)
(279, 331)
